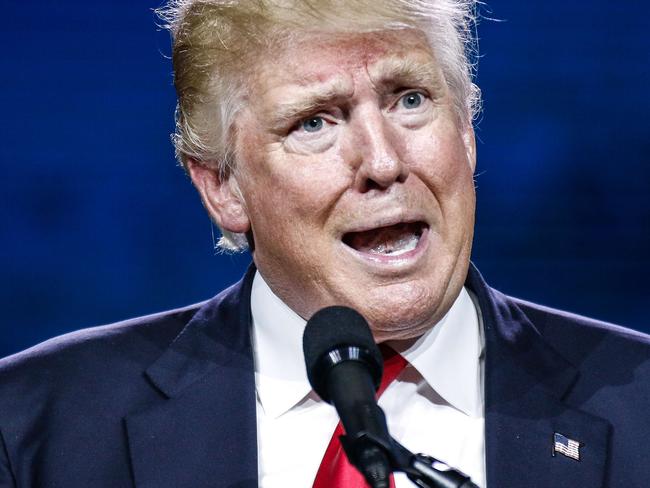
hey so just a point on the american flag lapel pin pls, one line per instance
(565, 446)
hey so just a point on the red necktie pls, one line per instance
(335, 470)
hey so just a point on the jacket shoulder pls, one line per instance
(605, 353)
(552, 322)
(127, 345)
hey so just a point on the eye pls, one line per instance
(411, 100)
(313, 133)
(312, 124)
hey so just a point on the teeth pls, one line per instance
(400, 246)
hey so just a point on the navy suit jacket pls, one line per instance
(169, 400)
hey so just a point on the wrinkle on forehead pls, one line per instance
(288, 85)
(346, 50)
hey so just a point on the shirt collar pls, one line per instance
(447, 356)
(280, 373)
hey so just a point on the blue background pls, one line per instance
(99, 224)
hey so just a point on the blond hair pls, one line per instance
(216, 44)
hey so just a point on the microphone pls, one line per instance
(344, 367)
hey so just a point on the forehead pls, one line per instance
(318, 58)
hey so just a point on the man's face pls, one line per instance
(357, 179)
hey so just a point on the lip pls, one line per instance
(387, 221)
(402, 261)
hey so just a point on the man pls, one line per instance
(335, 140)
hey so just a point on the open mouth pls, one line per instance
(392, 240)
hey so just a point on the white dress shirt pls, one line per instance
(435, 406)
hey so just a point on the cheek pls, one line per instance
(440, 159)
(310, 186)
(292, 193)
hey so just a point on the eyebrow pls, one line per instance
(392, 73)
(310, 99)
(396, 72)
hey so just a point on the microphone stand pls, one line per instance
(424, 471)
(427, 472)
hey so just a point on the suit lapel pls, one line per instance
(525, 382)
(203, 431)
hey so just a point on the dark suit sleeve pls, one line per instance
(6, 476)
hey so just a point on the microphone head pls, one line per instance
(335, 334)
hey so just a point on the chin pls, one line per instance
(404, 320)
(398, 335)
(406, 311)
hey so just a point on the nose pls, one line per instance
(378, 163)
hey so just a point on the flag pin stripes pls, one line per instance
(565, 446)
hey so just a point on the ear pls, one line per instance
(470, 146)
(219, 198)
